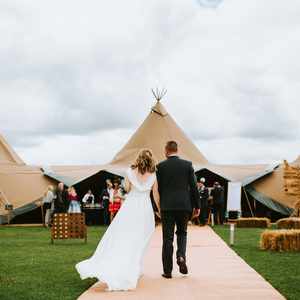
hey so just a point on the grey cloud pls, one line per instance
(230, 73)
(262, 113)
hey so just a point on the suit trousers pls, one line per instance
(219, 213)
(203, 214)
(106, 216)
(169, 220)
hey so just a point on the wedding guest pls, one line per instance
(88, 198)
(74, 206)
(217, 194)
(106, 194)
(116, 200)
(204, 194)
(60, 202)
(48, 204)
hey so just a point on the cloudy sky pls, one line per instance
(76, 76)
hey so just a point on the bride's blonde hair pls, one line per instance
(144, 162)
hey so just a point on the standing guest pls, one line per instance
(217, 194)
(204, 194)
(60, 202)
(74, 206)
(106, 194)
(48, 204)
(88, 198)
(116, 200)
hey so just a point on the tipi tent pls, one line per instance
(21, 186)
(158, 128)
(269, 191)
(7, 153)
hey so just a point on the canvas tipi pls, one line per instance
(158, 128)
(269, 190)
(21, 186)
(7, 154)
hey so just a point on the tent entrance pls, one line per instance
(258, 209)
(211, 178)
(33, 216)
(95, 183)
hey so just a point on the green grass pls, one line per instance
(32, 268)
(282, 270)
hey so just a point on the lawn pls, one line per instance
(282, 270)
(32, 268)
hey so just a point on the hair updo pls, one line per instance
(144, 162)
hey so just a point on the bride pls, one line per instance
(118, 258)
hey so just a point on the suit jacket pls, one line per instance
(60, 202)
(177, 185)
(104, 198)
(204, 194)
(218, 195)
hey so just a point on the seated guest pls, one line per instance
(88, 198)
(217, 194)
(116, 200)
(74, 206)
(60, 201)
(48, 204)
(106, 194)
(204, 194)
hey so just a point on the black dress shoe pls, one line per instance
(168, 276)
(182, 265)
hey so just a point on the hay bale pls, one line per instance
(253, 223)
(280, 240)
(288, 223)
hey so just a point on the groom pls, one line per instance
(179, 197)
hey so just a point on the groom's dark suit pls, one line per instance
(178, 197)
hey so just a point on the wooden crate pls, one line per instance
(68, 226)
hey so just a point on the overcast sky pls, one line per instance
(76, 76)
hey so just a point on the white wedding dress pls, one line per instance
(118, 258)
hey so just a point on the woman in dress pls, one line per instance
(116, 200)
(48, 204)
(129, 232)
(74, 205)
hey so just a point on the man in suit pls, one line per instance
(60, 202)
(178, 196)
(217, 194)
(204, 194)
(104, 198)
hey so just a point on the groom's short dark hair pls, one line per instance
(171, 147)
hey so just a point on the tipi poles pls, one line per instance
(248, 202)
(158, 94)
(42, 211)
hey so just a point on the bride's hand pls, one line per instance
(158, 214)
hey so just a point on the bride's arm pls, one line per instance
(156, 195)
